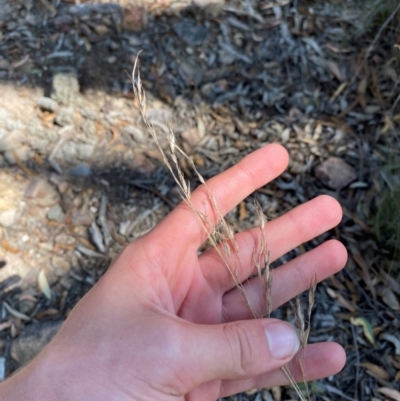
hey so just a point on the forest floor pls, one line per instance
(80, 177)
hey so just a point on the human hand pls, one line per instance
(166, 324)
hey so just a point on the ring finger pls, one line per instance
(288, 281)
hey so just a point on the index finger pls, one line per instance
(228, 189)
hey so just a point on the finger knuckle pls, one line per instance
(242, 348)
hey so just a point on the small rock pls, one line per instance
(63, 187)
(134, 132)
(81, 170)
(32, 340)
(64, 239)
(60, 265)
(63, 21)
(9, 217)
(111, 59)
(81, 219)
(191, 136)
(335, 173)
(69, 152)
(65, 88)
(42, 191)
(56, 214)
(190, 32)
(89, 114)
(101, 29)
(11, 25)
(33, 188)
(20, 153)
(225, 58)
(114, 45)
(135, 19)
(9, 140)
(85, 151)
(47, 104)
(191, 72)
(11, 197)
(65, 116)
(26, 306)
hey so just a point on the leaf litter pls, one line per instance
(306, 87)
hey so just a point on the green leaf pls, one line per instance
(367, 328)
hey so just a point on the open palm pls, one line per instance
(167, 324)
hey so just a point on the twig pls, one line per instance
(102, 220)
(358, 362)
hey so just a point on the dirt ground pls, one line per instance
(80, 177)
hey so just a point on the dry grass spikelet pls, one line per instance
(221, 236)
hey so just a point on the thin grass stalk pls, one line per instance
(221, 236)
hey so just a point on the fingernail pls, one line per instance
(283, 340)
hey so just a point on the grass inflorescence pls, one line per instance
(221, 236)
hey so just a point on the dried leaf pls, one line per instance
(388, 124)
(392, 339)
(397, 377)
(377, 370)
(15, 313)
(335, 70)
(277, 393)
(345, 303)
(44, 284)
(391, 282)
(5, 325)
(339, 90)
(390, 299)
(201, 127)
(8, 247)
(48, 312)
(362, 87)
(390, 392)
(367, 328)
(242, 211)
(365, 273)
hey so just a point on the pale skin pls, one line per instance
(166, 324)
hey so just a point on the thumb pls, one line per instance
(241, 349)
